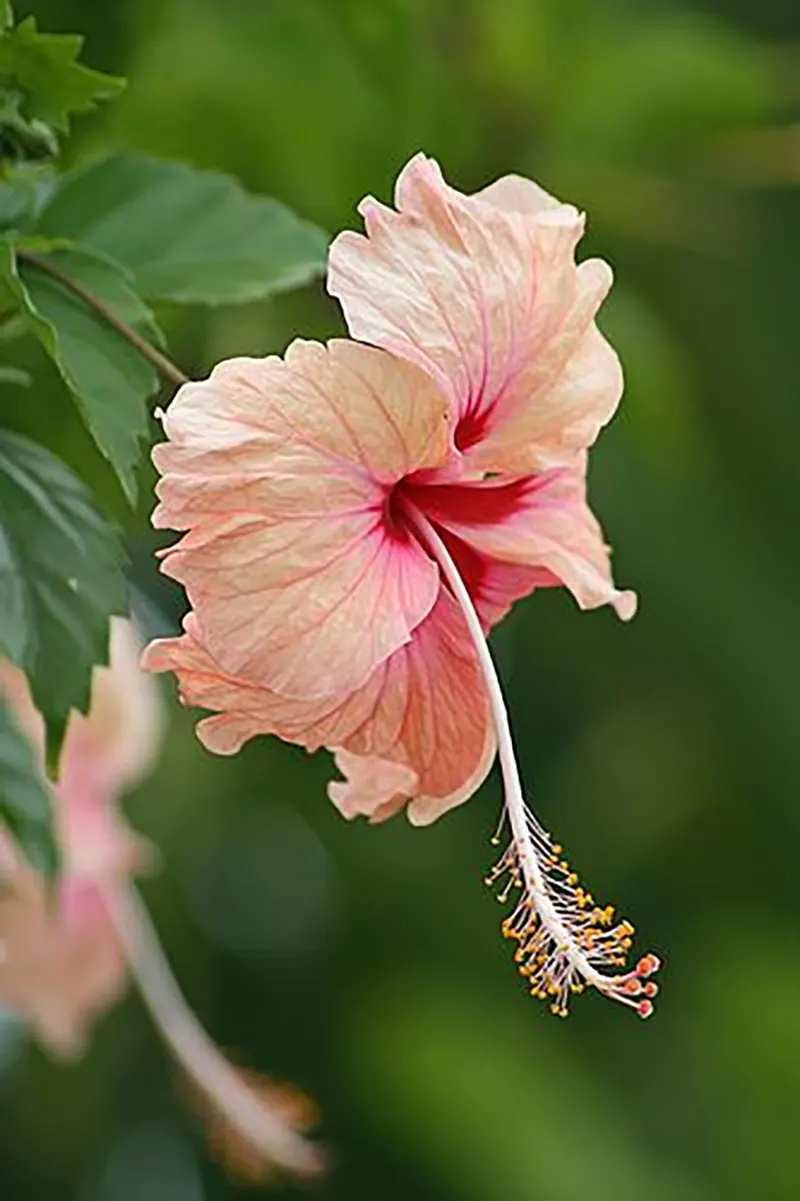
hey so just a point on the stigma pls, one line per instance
(565, 940)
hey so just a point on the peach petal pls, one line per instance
(373, 787)
(541, 523)
(516, 194)
(245, 710)
(280, 472)
(484, 294)
(432, 716)
(417, 730)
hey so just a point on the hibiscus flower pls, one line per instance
(358, 515)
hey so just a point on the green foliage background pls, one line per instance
(366, 964)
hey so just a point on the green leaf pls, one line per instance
(186, 235)
(21, 139)
(17, 202)
(109, 378)
(25, 804)
(16, 376)
(60, 580)
(43, 68)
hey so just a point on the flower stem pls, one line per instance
(267, 1131)
(162, 363)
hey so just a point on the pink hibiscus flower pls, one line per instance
(62, 963)
(357, 517)
(67, 959)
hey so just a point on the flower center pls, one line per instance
(470, 429)
(395, 521)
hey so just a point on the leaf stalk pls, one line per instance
(162, 363)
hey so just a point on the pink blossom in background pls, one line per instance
(67, 958)
(319, 612)
(62, 964)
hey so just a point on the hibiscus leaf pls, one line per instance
(42, 69)
(186, 235)
(16, 376)
(17, 202)
(23, 140)
(25, 804)
(109, 378)
(60, 580)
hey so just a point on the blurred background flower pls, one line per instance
(365, 963)
(62, 964)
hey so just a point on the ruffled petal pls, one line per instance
(373, 787)
(432, 718)
(484, 294)
(418, 730)
(279, 471)
(516, 194)
(244, 710)
(542, 524)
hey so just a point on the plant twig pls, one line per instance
(160, 361)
